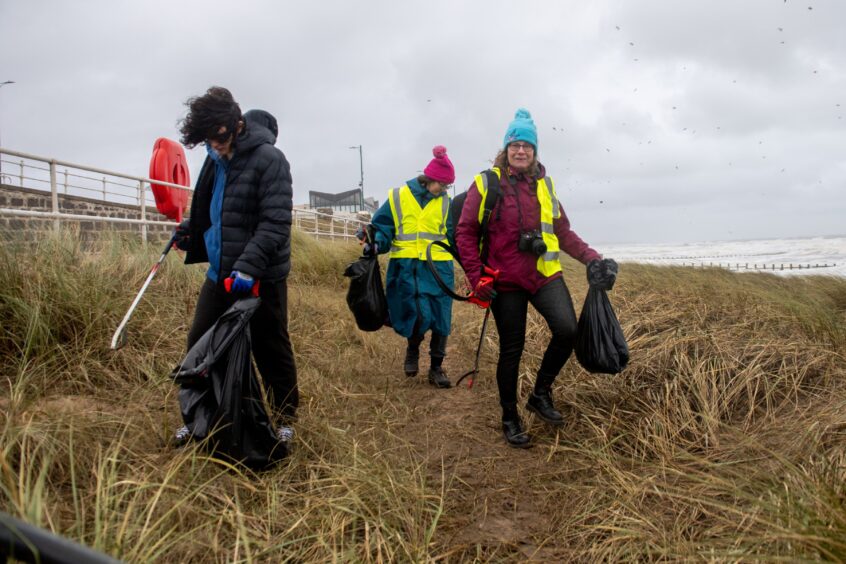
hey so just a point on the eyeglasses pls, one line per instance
(218, 137)
(527, 147)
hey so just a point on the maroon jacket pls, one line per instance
(518, 270)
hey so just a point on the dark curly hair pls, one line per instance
(207, 113)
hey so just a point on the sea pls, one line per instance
(784, 257)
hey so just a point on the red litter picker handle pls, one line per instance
(489, 272)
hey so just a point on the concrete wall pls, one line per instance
(29, 228)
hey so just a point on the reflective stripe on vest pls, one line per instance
(415, 227)
(549, 263)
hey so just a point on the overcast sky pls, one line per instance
(660, 121)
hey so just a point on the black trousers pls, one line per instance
(510, 310)
(437, 346)
(271, 343)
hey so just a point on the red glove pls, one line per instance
(484, 291)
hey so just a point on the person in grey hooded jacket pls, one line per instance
(240, 223)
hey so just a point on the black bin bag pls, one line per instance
(600, 345)
(366, 295)
(220, 398)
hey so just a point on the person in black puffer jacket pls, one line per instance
(240, 223)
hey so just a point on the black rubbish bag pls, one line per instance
(366, 296)
(220, 398)
(600, 345)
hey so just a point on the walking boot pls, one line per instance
(438, 378)
(540, 403)
(515, 436)
(181, 437)
(412, 358)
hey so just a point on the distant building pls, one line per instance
(349, 201)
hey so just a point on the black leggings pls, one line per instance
(510, 310)
(270, 340)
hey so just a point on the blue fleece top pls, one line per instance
(414, 298)
(212, 235)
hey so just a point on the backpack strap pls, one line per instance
(493, 194)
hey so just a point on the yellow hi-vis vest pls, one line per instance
(416, 227)
(549, 263)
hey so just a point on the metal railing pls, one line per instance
(42, 173)
(57, 177)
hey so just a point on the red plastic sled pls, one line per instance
(168, 164)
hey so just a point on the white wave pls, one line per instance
(773, 255)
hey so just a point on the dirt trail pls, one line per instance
(491, 499)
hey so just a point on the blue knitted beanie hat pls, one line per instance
(522, 128)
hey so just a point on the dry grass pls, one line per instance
(723, 440)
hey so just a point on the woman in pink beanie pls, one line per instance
(414, 215)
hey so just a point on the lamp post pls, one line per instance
(2, 84)
(360, 184)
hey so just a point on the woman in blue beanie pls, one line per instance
(526, 230)
(414, 215)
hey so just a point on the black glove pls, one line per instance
(183, 235)
(602, 273)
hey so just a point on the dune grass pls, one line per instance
(723, 440)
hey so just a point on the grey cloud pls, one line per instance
(756, 135)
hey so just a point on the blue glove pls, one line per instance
(183, 235)
(241, 282)
(371, 250)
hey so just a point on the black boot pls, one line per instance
(540, 403)
(412, 358)
(438, 378)
(512, 428)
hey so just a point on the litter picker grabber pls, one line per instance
(119, 338)
(472, 373)
(167, 164)
(473, 299)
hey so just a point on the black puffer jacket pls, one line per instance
(257, 202)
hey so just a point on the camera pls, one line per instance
(532, 242)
